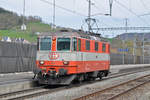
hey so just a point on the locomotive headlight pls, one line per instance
(66, 62)
(41, 62)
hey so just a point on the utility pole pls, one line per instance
(134, 50)
(23, 27)
(123, 57)
(126, 24)
(23, 10)
(53, 14)
(89, 17)
(110, 5)
(90, 21)
(143, 47)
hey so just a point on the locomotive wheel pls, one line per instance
(92, 79)
(101, 75)
(81, 78)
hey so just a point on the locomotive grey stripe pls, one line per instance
(74, 56)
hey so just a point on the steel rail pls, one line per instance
(123, 74)
(20, 92)
(110, 88)
(124, 92)
(37, 94)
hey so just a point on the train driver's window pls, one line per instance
(63, 44)
(104, 47)
(96, 46)
(87, 45)
(45, 43)
(79, 44)
(74, 44)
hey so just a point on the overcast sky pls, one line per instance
(131, 9)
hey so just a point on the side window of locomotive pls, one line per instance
(74, 44)
(79, 44)
(96, 46)
(87, 45)
(104, 47)
(63, 44)
(45, 43)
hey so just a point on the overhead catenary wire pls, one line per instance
(144, 5)
(74, 4)
(96, 6)
(130, 11)
(63, 8)
(95, 2)
(98, 3)
(146, 8)
(147, 14)
(24, 4)
(104, 23)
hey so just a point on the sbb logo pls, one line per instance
(53, 55)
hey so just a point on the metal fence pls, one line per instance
(17, 57)
(118, 59)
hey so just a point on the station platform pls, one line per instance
(129, 67)
(15, 77)
(16, 81)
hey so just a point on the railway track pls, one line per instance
(39, 91)
(116, 91)
(29, 93)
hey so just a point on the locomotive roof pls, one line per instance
(64, 33)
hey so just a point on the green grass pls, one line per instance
(29, 34)
(38, 27)
(14, 34)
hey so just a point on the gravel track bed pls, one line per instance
(139, 93)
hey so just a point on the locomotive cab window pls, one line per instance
(74, 44)
(45, 43)
(63, 44)
(104, 47)
(87, 45)
(96, 46)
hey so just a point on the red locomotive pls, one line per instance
(66, 56)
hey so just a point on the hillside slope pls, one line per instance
(10, 26)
